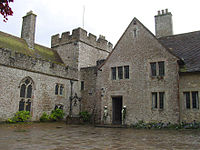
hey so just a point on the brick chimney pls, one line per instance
(163, 23)
(28, 29)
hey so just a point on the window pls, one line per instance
(157, 68)
(113, 69)
(26, 88)
(56, 89)
(161, 99)
(195, 99)
(82, 85)
(154, 100)
(126, 72)
(191, 100)
(120, 72)
(161, 66)
(135, 33)
(153, 69)
(187, 99)
(59, 89)
(158, 103)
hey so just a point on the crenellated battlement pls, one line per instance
(80, 34)
(21, 61)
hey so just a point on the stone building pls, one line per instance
(155, 76)
(40, 79)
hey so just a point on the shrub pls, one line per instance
(56, 115)
(20, 116)
(85, 115)
(44, 117)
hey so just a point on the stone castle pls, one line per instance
(150, 77)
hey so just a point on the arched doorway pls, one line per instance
(26, 92)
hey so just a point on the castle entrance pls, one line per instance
(116, 110)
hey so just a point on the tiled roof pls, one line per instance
(187, 47)
(19, 45)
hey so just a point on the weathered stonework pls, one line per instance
(189, 82)
(138, 52)
(81, 50)
(163, 24)
(43, 97)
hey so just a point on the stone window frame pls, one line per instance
(158, 75)
(123, 73)
(59, 89)
(191, 105)
(26, 99)
(158, 103)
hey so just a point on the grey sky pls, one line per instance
(106, 17)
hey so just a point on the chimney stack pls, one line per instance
(28, 29)
(163, 23)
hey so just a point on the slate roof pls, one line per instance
(19, 45)
(187, 47)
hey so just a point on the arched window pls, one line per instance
(26, 90)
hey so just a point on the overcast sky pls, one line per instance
(106, 17)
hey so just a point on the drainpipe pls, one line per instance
(178, 94)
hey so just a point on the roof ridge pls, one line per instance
(181, 34)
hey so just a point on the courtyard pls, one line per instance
(59, 136)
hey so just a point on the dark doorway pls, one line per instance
(116, 110)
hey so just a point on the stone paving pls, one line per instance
(59, 136)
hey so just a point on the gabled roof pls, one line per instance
(19, 45)
(187, 47)
(135, 19)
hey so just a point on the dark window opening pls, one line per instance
(113, 69)
(56, 89)
(135, 33)
(153, 69)
(61, 89)
(21, 105)
(161, 66)
(126, 72)
(195, 100)
(27, 81)
(82, 85)
(187, 99)
(22, 90)
(29, 91)
(161, 99)
(120, 72)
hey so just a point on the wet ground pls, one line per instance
(58, 136)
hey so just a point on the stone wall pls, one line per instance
(163, 23)
(43, 97)
(90, 94)
(138, 51)
(22, 61)
(189, 82)
(14, 67)
(79, 49)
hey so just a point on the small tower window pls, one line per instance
(135, 33)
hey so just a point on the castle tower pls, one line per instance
(163, 23)
(80, 49)
(28, 29)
